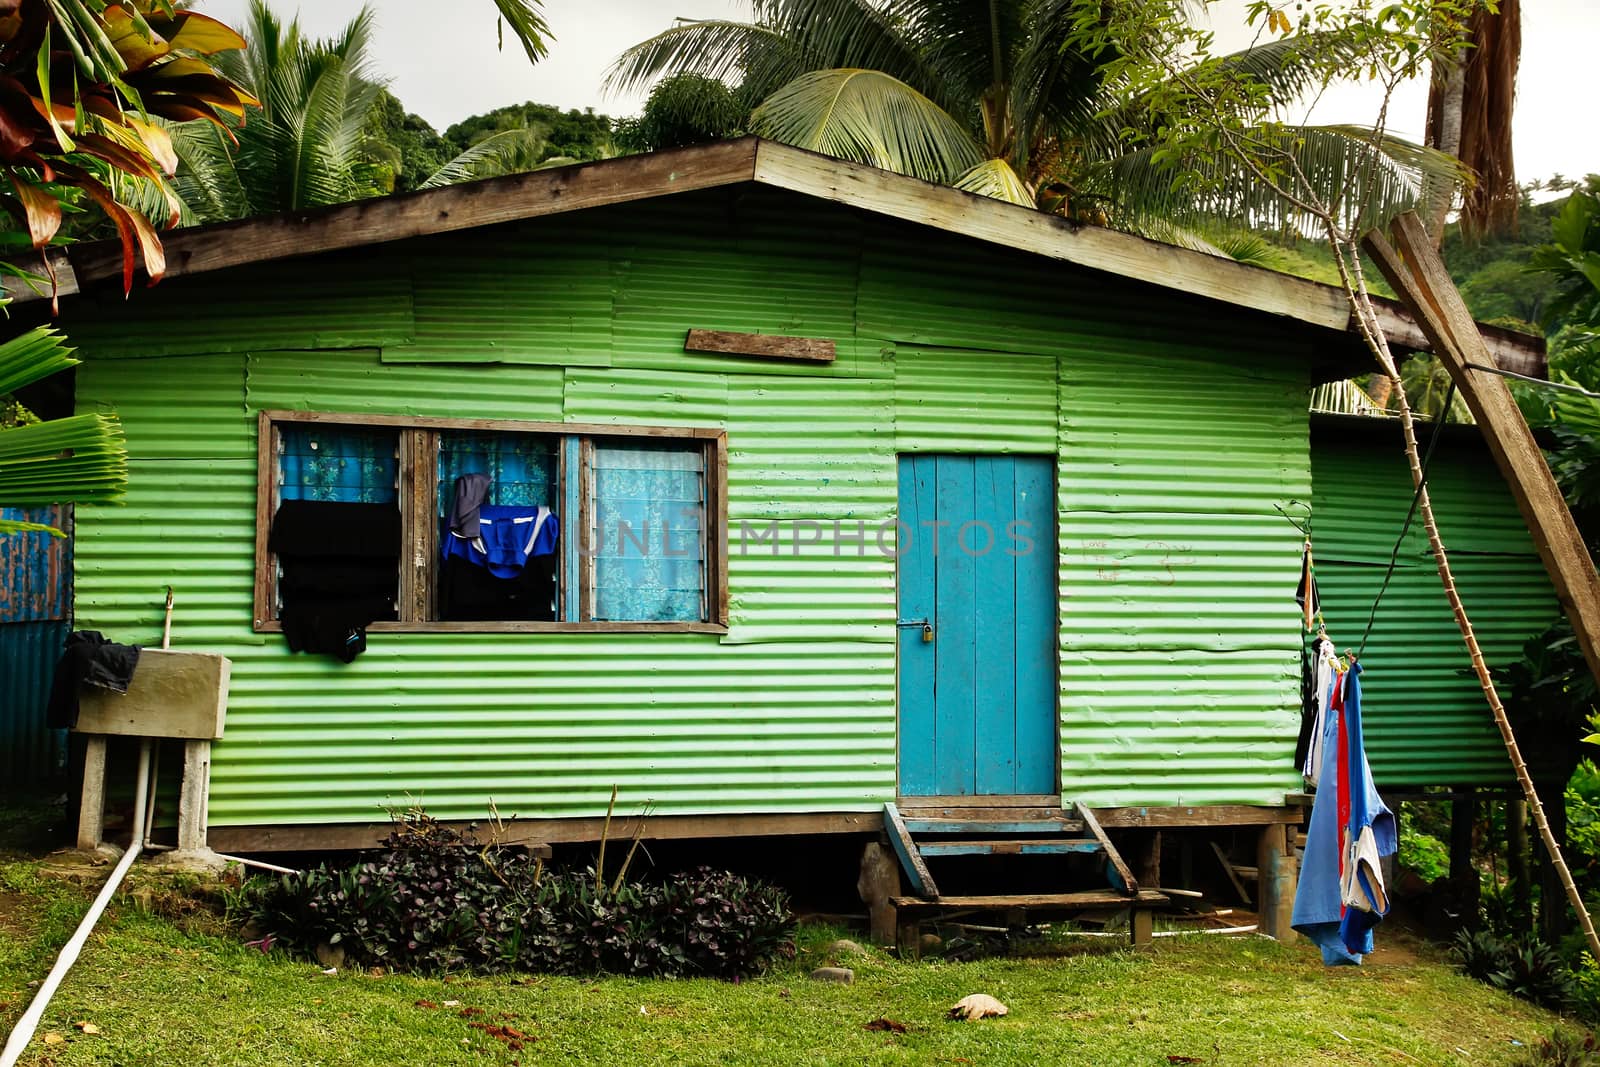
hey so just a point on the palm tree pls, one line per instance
(991, 98)
(306, 146)
(302, 147)
(1469, 116)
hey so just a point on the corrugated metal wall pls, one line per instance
(35, 601)
(1426, 719)
(943, 345)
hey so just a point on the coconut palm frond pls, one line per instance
(869, 117)
(82, 459)
(507, 152)
(526, 19)
(208, 180)
(31, 356)
(898, 39)
(1056, 90)
(1254, 250)
(995, 178)
(728, 51)
(1389, 170)
(9, 527)
(971, 45)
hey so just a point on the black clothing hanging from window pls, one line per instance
(340, 572)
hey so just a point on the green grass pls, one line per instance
(161, 995)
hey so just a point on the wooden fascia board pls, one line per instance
(1094, 247)
(1098, 248)
(433, 211)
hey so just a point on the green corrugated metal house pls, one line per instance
(796, 651)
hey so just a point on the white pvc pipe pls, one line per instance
(18, 1041)
(265, 866)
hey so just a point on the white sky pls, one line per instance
(444, 65)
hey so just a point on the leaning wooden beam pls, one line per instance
(760, 345)
(1425, 285)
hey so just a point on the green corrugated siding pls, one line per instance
(1180, 663)
(1426, 719)
(1178, 682)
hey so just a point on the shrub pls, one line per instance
(436, 900)
(1522, 966)
(1563, 1048)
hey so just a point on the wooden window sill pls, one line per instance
(525, 627)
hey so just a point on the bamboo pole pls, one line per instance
(1435, 318)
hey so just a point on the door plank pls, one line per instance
(954, 632)
(1038, 733)
(995, 611)
(916, 697)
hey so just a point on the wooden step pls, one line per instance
(1100, 898)
(1010, 846)
(917, 825)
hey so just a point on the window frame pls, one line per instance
(418, 452)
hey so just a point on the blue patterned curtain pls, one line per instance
(339, 463)
(521, 467)
(650, 537)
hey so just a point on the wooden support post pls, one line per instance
(1276, 880)
(1142, 923)
(879, 884)
(92, 810)
(1422, 282)
(192, 797)
(1149, 861)
(908, 936)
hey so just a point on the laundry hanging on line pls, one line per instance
(497, 561)
(1341, 895)
(339, 572)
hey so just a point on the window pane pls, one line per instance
(521, 467)
(501, 561)
(337, 463)
(649, 534)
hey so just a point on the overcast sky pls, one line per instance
(443, 64)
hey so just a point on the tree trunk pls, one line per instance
(1517, 858)
(1445, 104)
(1554, 919)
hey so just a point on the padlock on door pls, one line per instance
(927, 633)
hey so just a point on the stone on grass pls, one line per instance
(842, 975)
(330, 955)
(976, 1006)
(931, 942)
(844, 947)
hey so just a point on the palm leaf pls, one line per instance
(869, 117)
(506, 152)
(731, 52)
(82, 459)
(29, 357)
(869, 35)
(527, 25)
(995, 178)
(8, 527)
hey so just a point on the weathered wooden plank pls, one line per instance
(1210, 815)
(1233, 875)
(906, 849)
(456, 207)
(339, 836)
(1121, 877)
(1277, 876)
(760, 345)
(1009, 847)
(1096, 898)
(991, 826)
(1423, 282)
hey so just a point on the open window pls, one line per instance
(385, 523)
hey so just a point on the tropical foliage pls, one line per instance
(684, 109)
(81, 459)
(81, 83)
(1008, 99)
(326, 131)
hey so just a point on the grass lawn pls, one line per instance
(161, 994)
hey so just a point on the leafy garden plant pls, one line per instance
(436, 900)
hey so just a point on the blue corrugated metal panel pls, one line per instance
(281, 305)
(29, 753)
(35, 568)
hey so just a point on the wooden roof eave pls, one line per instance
(513, 198)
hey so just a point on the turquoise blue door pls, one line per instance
(977, 578)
